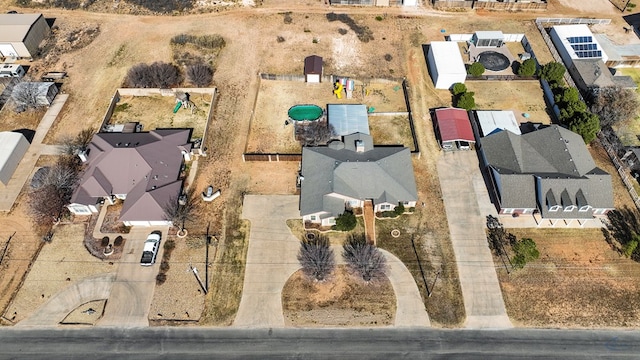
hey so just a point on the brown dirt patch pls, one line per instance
(621, 197)
(342, 300)
(579, 281)
(10, 120)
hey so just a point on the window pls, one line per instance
(554, 208)
(80, 210)
(313, 218)
(385, 207)
(584, 208)
(332, 221)
(507, 211)
(570, 208)
(354, 203)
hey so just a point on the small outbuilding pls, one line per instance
(13, 146)
(313, 69)
(347, 119)
(491, 122)
(445, 64)
(454, 129)
(42, 92)
(21, 34)
(490, 39)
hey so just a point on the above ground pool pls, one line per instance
(494, 61)
(305, 112)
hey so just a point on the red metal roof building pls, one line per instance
(454, 128)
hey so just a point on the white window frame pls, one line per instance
(585, 208)
(313, 217)
(385, 207)
(570, 208)
(554, 208)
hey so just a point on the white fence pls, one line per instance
(573, 21)
(468, 37)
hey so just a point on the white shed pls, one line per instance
(13, 146)
(445, 64)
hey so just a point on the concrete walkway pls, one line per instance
(461, 179)
(271, 260)
(52, 312)
(9, 193)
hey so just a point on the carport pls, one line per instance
(454, 129)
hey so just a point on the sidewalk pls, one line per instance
(9, 193)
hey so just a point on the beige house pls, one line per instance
(21, 34)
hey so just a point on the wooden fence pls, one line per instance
(620, 167)
(491, 5)
(502, 78)
(271, 157)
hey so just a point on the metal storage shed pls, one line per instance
(21, 34)
(13, 146)
(454, 126)
(445, 64)
(488, 38)
(492, 122)
(313, 69)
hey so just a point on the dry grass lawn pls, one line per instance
(156, 111)
(342, 300)
(10, 120)
(180, 280)
(579, 281)
(268, 133)
(518, 96)
(59, 264)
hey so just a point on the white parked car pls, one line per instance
(150, 250)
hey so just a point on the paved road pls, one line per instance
(9, 193)
(271, 260)
(461, 179)
(132, 291)
(172, 343)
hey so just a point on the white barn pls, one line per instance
(13, 146)
(575, 42)
(445, 64)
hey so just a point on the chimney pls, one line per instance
(359, 146)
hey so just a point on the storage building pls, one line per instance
(13, 146)
(313, 69)
(21, 34)
(445, 64)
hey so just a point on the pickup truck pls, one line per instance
(150, 250)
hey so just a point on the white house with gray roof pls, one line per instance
(346, 173)
(549, 171)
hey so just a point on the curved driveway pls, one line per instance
(52, 312)
(271, 260)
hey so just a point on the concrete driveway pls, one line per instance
(271, 260)
(467, 203)
(132, 291)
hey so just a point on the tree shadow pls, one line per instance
(623, 225)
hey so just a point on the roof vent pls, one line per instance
(126, 144)
(118, 144)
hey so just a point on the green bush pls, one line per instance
(630, 248)
(553, 72)
(346, 221)
(388, 214)
(527, 68)
(458, 88)
(476, 69)
(399, 210)
(525, 251)
(466, 101)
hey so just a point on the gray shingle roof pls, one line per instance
(553, 162)
(384, 174)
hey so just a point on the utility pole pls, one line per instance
(206, 259)
(434, 283)
(195, 272)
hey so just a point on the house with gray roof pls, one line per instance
(344, 174)
(141, 168)
(547, 171)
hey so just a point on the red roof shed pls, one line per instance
(454, 125)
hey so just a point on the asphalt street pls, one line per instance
(188, 343)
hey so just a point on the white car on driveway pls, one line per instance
(150, 250)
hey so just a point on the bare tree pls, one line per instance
(614, 104)
(314, 133)
(78, 143)
(26, 94)
(316, 257)
(181, 209)
(138, 76)
(200, 74)
(363, 258)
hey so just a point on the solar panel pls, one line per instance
(580, 39)
(589, 54)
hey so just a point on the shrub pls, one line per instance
(118, 241)
(164, 266)
(363, 258)
(476, 69)
(388, 214)
(379, 18)
(553, 72)
(161, 278)
(104, 242)
(527, 68)
(158, 74)
(200, 74)
(525, 251)
(399, 210)
(346, 221)
(458, 88)
(466, 101)
(316, 257)
(388, 57)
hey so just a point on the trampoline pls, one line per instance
(494, 61)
